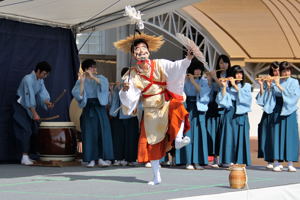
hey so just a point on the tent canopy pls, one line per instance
(83, 16)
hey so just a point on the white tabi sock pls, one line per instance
(179, 141)
(26, 160)
(156, 173)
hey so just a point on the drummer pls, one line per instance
(30, 94)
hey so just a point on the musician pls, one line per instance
(283, 103)
(197, 88)
(235, 97)
(265, 136)
(159, 84)
(31, 94)
(214, 114)
(91, 91)
(125, 130)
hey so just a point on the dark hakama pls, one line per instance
(214, 118)
(265, 138)
(235, 141)
(125, 134)
(286, 136)
(195, 152)
(96, 132)
(24, 127)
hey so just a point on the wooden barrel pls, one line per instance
(237, 177)
(57, 141)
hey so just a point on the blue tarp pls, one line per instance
(22, 46)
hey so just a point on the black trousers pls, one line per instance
(24, 127)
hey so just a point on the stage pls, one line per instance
(79, 183)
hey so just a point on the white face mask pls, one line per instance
(141, 52)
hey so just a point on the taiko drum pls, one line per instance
(57, 141)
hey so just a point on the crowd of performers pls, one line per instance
(186, 111)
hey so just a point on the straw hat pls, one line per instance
(153, 42)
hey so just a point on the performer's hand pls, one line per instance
(125, 86)
(89, 73)
(260, 82)
(223, 82)
(190, 76)
(212, 74)
(81, 77)
(36, 116)
(232, 81)
(190, 54)
(49, 104)
(276, 80)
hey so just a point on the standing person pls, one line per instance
(214, 114)
(265, 136)
(236, 99)
(159, 84)
(197, 88)
(31, 93)
(91, 91)
(285, 95)
(125, 130)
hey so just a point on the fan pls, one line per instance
(190, 45)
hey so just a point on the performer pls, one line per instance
(91, 91)
(236, 99)
(159, 84)
(285, 95)
(215, 115)
(265, 136)
(31, 93)
(197, 88)
(125, 130)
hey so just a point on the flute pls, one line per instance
(228, 79)
(265, 78)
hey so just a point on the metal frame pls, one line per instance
(175, 22)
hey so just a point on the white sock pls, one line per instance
(276, 163)
(290, 163)
(156, 173)
(179, 141)
(180, 133)
(26, 160)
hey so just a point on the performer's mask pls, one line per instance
(141, 52)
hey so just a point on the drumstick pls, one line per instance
(60, 96)
(117, 109)
(49, 118)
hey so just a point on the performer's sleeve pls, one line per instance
(130, 98)
(82, 100)
(260, 99)
(224, 101)
(103, 90)
(175, 73)
(291, 93)
(43, 96)
(28, 100)
(244, 96)
(115, 102)
(203, 97)
(267, 100)
(177, 68)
